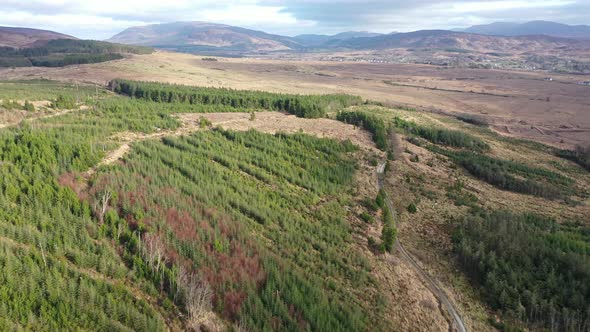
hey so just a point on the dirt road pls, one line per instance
(430, 282)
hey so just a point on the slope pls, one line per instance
(25, 37)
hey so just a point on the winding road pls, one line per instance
(431, 283)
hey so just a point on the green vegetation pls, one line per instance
(63, 52)
(412, 208)
(473, 119)
(367, 217)
(28, 106)
(72, 59)
(63, 102)
(257, 219)
(306, 106)
(581, 156)
(13, 105)
(389, 230)
(371, 123)
(459, 196)
(54, 261)
(47, 90)
(529, 267)
(268, 207)
(452, 138)
(510, 175)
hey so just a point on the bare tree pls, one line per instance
(102, 205)
(153, 251)
(198, 297)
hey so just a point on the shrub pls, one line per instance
(63, 102)
(29, 106)
(366, 217)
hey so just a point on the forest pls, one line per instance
(269, 207)
(305, 106)
(253, 227)
(221, 187)
(64, 52)
(529, 267)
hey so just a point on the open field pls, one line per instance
(520, 104)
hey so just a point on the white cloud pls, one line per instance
(101, 19)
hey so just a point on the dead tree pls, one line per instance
(198, 297)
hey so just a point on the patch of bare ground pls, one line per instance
(274, 122)
(42, 111)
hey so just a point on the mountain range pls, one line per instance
(198, 37)
(203, 37)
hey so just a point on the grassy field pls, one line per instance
(546, 111)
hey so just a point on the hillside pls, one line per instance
(313, 40)
(26, 37)
(444, 39)
(532, 28)
(195, 36)
(172, 207)
(64, 52)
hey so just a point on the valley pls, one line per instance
(320, 183)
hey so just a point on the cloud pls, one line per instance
(102, 19)
(402, 15)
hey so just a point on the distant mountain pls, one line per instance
(443, 39)
(202, 36)
(532, 28)
(311, 40)
(207, 38)
(26, 37)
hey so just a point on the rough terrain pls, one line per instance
(551, 108)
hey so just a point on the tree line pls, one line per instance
(371, 123)
(580, 155)
(64, 52)
(453, 138)
(306, 106)
(510, 175)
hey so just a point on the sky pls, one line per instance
(103, 19)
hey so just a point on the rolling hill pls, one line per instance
(26, 37)
(532, 28)
(443, 39)
(314, 40)
(202, 36)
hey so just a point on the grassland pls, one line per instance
(545, 111)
